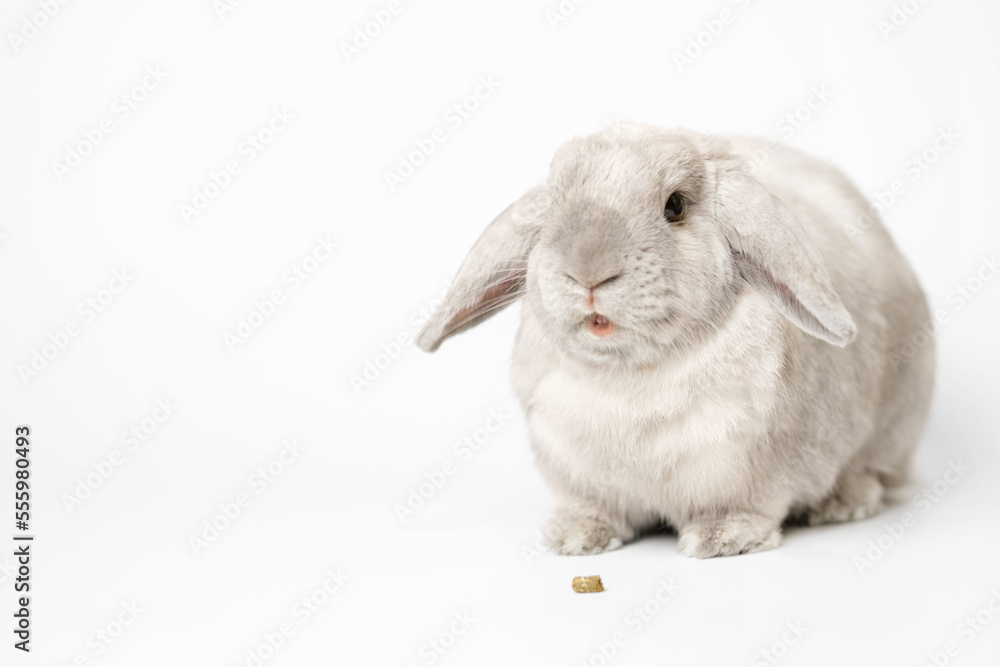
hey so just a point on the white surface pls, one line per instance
(332, 507)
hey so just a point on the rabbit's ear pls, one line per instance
(774, 253)
(493, 273)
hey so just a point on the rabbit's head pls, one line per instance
(641, 240)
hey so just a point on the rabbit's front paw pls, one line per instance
(572, 535)
(728, 536)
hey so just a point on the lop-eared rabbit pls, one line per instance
(706, 341)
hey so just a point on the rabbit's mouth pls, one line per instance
(600, 325)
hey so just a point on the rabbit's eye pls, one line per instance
(674, 210)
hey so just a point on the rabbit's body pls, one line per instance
(706, 404)
(656, 443)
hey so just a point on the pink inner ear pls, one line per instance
(783, 288)
(791, 299)
(486, 302)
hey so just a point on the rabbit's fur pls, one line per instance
(753, 373)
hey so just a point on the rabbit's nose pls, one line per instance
(592, 259)
(591, 282)
(591, 244)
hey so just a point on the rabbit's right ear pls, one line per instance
(774, 252)
(493, 273)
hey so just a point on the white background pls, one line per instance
(471, 547)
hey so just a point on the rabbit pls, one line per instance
(708, 341)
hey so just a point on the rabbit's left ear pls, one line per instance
(493, 273)
(774, 253)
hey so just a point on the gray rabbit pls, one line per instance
(702, 343)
